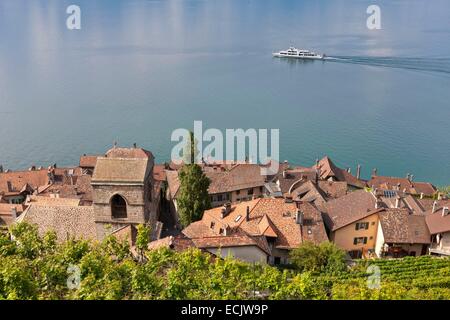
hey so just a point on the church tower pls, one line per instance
(122, 185)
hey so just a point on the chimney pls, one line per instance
(299, 217)
(51, 175)
(439, 197)
(247, 214)
(1, 168)
(421, 195)
(434, 207)
(226, 209)
(349, 170)
(444, 211)
(284, 174)
(408, 176)
(14, 213)
(134, 145)
(397, 202)
(377, 203)
(358, 171)
(411, 177)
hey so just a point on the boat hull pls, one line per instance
(278, 55)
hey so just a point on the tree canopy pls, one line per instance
(193, 196)
(325, 257)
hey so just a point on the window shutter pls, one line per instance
(357, 226)
(365, 240)
(367, 225)
(355, 240)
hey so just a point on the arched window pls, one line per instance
(118, 207)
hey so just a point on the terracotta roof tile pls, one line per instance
(239, 177)
(48, 201)
(88, 161)
(173, 182)
(66, 221)
(437, 223)
(396, 183)
(122, 170)
(178, 243)
(159, 172)
(328, 169)
(129, 153)
(352, 207)
(6, 217)
(235, 240)
(267, 217)
(400, 227)
(14, 181)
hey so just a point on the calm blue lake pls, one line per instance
(139, 69)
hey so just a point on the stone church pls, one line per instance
(123, 190)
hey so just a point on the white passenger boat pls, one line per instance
(298, 54)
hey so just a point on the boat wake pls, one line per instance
(440, 65)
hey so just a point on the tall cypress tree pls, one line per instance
(193, 198)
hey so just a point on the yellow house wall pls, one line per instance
(343, 237)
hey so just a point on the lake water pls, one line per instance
(138, 69)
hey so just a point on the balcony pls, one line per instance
(436, 249)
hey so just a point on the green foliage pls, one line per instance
(193, 197)
(445, 191)
(143, 236)
(325, 257)
(120, 249)
(36, 267)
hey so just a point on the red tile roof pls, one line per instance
(15, 181)
(178, 243)
(436, 221)
(402, 184)
(6, 217)
(129, 153)
(328, 169)
(159, 172)
(88, 161)
(239, 177)
(352, 207)
(400, 227)
(66, 221)
(273, 218)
